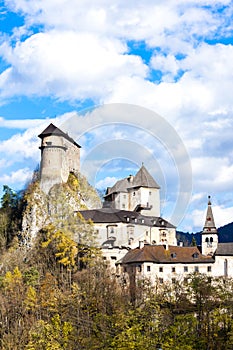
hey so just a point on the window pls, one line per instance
(113, 257)
(130, 230)
(161, 269)
(209, 268)
(139, 268)
(161, 280)
(150, 193)
(148, 268)
(196, 269)
(111, 230)
(195, 255)
(173, 255)
(173, 269)
(123, 206)
(186, 269)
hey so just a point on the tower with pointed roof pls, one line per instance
(60, 155)
(139, 193)
(209, 236)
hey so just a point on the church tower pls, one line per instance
(60, 155)
(209, 236)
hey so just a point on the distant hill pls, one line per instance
(225, 234)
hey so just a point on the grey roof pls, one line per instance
(109, 215)
(144, 179)
(224, 249)
(53, 130)
(141, 179)
(159, 254)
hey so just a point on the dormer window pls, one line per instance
(173, 255)
(195, 255)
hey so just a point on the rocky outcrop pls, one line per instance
(58, 206)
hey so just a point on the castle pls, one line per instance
(134, 238)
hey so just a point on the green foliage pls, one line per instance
(53, 335)
(9, 198)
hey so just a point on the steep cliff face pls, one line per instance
(58, 206)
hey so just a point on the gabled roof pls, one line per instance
(141, 179)
(224, 249)
(53, 130)
(111, 216)
(159, 254)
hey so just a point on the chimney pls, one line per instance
(141, 244)
(130, 178)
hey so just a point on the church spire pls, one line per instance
(209, 237)
(209, 222)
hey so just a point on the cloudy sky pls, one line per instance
(162, 72)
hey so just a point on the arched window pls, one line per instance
(207, 240)
(211, 239)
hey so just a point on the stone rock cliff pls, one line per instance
(58, 206)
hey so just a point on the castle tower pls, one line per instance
(135, 193)
(60, 155)
(209, 236)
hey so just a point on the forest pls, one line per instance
(60, 294)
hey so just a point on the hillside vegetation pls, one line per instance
(57, 293)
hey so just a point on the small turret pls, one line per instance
(209, 235)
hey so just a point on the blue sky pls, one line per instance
(173, 58)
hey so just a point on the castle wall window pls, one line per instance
(173, 269)
(185, 268)
(130, 231)
(111, 230)
(209, 268)
(161, 269)
(148, 268)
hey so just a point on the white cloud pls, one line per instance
(106, 182)
(69, 65)
(17, 178)
(222, 216)
(83, 51)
